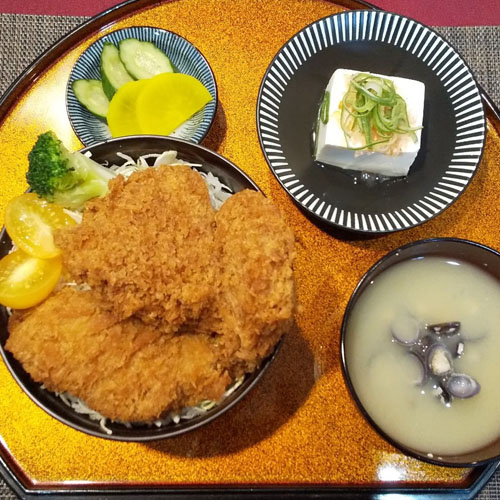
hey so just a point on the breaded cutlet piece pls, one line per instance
(256, 297)
(125, 370)
(147, 246)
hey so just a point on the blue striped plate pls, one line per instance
(184, 56)
(453, 136)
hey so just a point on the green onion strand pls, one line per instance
(372, 106)
(325, 107)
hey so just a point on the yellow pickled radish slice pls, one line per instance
(122, 117)
(168, 100)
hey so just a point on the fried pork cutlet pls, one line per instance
(147, 246)
(255, 282)
(181, 301)
(125, 370)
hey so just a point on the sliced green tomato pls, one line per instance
(90, 94)
(168, 100)
(122, 117)
(25, 281)
(30, 222)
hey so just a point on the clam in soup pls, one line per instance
(422, 348)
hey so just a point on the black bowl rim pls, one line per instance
(163, 432)
(167, 138)
(216, 98)
(343, 360)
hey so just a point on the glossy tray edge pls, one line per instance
(20, 484)
(236, 493)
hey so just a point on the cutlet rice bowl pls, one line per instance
(174, 300)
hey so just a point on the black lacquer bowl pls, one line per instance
(480, 256)
(135, 146)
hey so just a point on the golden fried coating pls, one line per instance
(255, 282)
(181, 300)
(147, 246)
(125, 370)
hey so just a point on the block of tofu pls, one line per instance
(331, 146)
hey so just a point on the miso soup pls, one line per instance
(388, 381)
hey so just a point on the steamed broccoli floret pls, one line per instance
(68, 179)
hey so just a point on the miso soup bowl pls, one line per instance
(477, 254)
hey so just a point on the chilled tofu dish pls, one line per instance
(370, 122)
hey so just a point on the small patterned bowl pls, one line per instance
(185, 57)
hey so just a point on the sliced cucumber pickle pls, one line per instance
(143, 59)
(113, 72)
(91, 95)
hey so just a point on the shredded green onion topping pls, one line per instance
(372, 107)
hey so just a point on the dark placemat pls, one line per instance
(478, 45)
(24, 37)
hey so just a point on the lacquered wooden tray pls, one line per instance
(299, 430)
